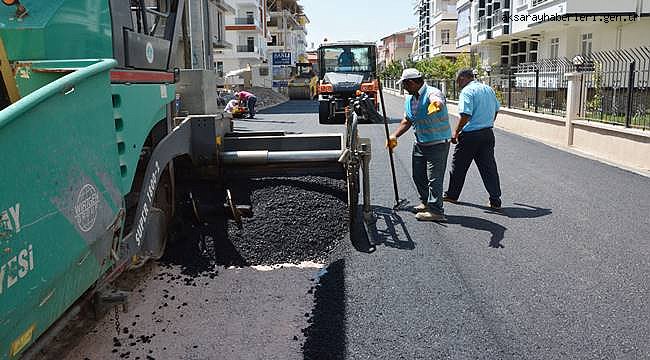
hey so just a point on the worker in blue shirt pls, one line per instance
(425, 110)
(474, 138)
(346, 59)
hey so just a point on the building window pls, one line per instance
(537, 2)
(274, 41)
(586, 43)
(555, 48)
(444, 36)
(220, 68)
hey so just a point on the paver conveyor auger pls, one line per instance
(89, 138)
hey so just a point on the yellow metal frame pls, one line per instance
(8, 75)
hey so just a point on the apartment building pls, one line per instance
(443, 28)
(246, 29)
(396, 47)
(217, 12)
(422, 48)
(511, 32)
(287, 43)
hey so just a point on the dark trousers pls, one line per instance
(478, 146)
(251, 105)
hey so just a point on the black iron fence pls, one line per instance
(448, 86)
(539, 87)
(615, 87)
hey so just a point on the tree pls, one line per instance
(392, 71)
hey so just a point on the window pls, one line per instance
(537, 2)
(586, 43)
(444, 36)
(555, 48)
(274, 41)
(355, 59)
(220, 68)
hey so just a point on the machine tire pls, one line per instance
(324, 113)
(353, 200)
(164, 200)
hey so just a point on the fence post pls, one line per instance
(573, 103)
(630, 94)
(509, 88)
(536, 87)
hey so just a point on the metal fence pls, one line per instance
(539, 87)
(615, 87)
(614, 90)
(448, 86)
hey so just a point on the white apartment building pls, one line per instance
(443, 28)
(218, 10)
(510, 32)
(287, 35)
(246, 29)
(436, 30)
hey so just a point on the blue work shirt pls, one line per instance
(479, 102)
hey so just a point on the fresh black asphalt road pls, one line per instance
(561, 273)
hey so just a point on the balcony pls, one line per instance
(245, 49)
(245, 21)
(444, 49)
(482, 24)
(224, 6)
(291, 18)
(220, 43)
(538, 2)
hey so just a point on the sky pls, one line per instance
(364, 20)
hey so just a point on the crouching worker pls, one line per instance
(233, 108)
(247, 100)
(426, 112)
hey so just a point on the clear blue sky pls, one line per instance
(364, 20)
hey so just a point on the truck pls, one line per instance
(345, 68)
(90, 133)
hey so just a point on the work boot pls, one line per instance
(450, 199)
(430, 216)
(420, 208)
(495, 205)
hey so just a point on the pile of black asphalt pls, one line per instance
(293, 220)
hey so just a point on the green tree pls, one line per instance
(392, 71)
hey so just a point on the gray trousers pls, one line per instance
(429, 165)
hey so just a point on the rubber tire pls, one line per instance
(324, 113)
(353, 186)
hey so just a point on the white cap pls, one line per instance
(409, 73)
